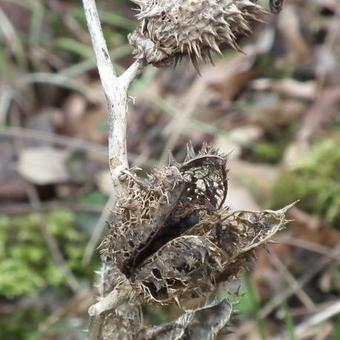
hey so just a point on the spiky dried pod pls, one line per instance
(157, 209)
(192, 264)
(171, 29)
(172, 237)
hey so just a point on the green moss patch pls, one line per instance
(315, 181)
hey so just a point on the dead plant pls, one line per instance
(172, 236)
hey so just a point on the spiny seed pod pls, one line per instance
(171, 29)
(172, 237)
(163, 206)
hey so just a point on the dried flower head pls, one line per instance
(172, 236)
(171, 29)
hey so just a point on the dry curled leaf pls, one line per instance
(172, 236)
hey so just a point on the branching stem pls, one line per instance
(115, 89)
(116, 93)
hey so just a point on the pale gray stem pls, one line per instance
(115, 89)
(105, 67)
(110, 301)
(130, 74)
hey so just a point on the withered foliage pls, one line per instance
(171, 29)
(202, 323)
(205, 322)
(172, 236)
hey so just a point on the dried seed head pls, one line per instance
(163, 205)
(173, 238)
(171, 29)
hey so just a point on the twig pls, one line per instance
(115, 89)
(279, 298)
(318, 318)
(300, 293)
(130, 74)
(112, 300)
(313, 321)
(307, 245)
(116, 95)
(115, 298)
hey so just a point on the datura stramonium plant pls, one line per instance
(171, 29)
(172, 235)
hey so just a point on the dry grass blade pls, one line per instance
(303, 280)
(300, 293)
(301, 330)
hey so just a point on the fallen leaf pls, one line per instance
(43, 165)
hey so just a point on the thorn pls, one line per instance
(197, 51)
(172, 160)
(286, 208)
(190, 151)
(210, 58)
(215, 47)
(195, 64)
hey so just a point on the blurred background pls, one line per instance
(275, 109)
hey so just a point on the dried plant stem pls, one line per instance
(138, 263)
(115, 89)
(305, 326)
(290, 279)
(322, 263)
